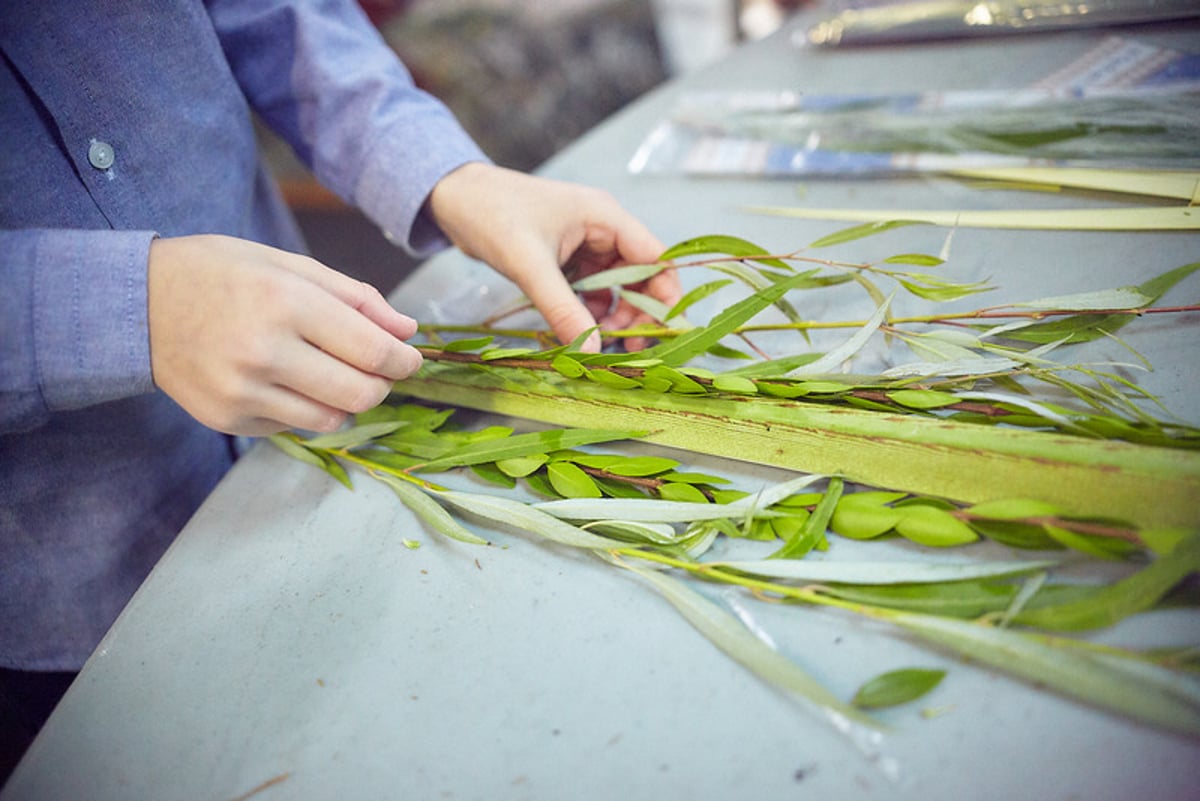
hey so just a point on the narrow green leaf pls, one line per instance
(353, 437)
(292, 448)
(806, 537)
(641, 510)
(518, 445)
(692, 343)
(571, 482)
(1099, 547)
(322, 460)
(917, 259)
(429, 510)
(727, 633)
(725, 245)
(610, 379)
(832, 360)
(694, 296)
(473, 343)
(493, 354)
(618, 276)
(861, 231)
(652, 306)
(897, 687)
(1108, 604)
(726, 352)
(1126, 297)
(507, 512)
(940, 292)
(1072, 673)
(651, 533)
(880, 573)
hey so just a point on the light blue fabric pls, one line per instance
(99, 470)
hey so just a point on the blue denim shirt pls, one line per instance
(122, 120)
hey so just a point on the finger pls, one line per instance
(280, 409)
(317, 376)
(358, 341)
(557, 302)
(358, 295)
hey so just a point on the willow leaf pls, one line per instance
(636, 466)
(692, 343)
(639, 510)
(805, 538)
(882, 572)
(645, 303)
(727, 633)
(1087, 327)
(618, 276)
(696, 295)
(758, 282)
(492, 354)
(652, 533)
(1165, 218)
(317, 459)
(1078, 675)
(571, 482)
(507, 512)
(897, 687)
(724, 245)
(1137, 593)
(832, 360)
(860, 231)
(916, 259)
(354, 436)
(474, 343)
(1127, 297)
(934, 527)
(429, 510)
(536, 442)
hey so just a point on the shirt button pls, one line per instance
(101, 155)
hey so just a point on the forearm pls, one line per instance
(73, 325)
(347, 106)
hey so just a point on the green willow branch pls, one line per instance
(947, 318)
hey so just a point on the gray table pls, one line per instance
(289, 638)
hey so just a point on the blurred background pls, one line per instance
(525, 78)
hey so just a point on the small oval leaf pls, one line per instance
(735, 384)
(897, 687)
(641, 466)
(570, 481)
(929, 525)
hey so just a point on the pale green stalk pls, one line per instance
(1146, 485)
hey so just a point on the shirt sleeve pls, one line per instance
(74, 330)
(323, 78)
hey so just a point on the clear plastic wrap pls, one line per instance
(854, 22)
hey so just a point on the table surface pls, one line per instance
(288, 642)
